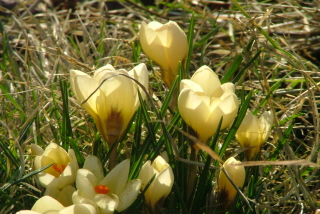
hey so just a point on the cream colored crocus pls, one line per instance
(113, 192)
(62, 173)
(203, 101)
(227, 192)
(166, 44)
(112, 101)
(253, 132)
(161, 186)
(49, 205)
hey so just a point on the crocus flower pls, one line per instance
(48, 205)
(161, 186)
(237, 174)
(114, 103)
(62, 173)
(253, 132)
(165, 44)
(113, 192)
(203, 100)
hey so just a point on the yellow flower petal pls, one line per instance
(83, 86)
(117, 178)
(194, 110)
(34, 149)
(94, 165)
(27, 212)
(208, 80)
(47, 204)
(266, 122)
(77, 198)
(140, 73)
(146, 173)
(85, 182)
(79, 209)
(106, 203)
(159, 164)
(129, 194)
(162, 185)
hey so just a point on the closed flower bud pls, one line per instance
(165, 44)
(227, 192)
(253, 132)
(203, 100)
(161, 186)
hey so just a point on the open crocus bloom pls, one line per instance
(48, 205)
(113, 192)
(203, 101)
(116, 99)
(165, 44)
(63, 172)
(254, 131)
(161, 186)
(238, 176)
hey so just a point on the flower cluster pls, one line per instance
(111, 97)
(87, 190)
(203, 101)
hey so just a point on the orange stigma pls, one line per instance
(59, 170)
(101, 189)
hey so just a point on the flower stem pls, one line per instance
(113, 144)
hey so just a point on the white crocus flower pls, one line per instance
(113, 192)
(253, 132)
(203, 100)
(62, 173)
(165, 44)
(161, 186)
(116, 99)
(238, 176)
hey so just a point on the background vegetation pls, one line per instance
(269, 49)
